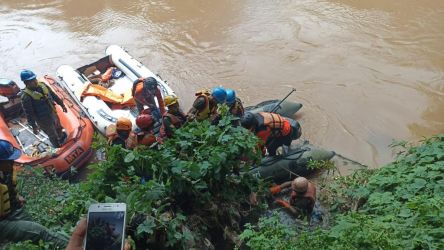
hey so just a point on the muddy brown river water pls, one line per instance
(367, 71)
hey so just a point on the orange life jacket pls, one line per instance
(273, 121)
(138, 92)
(175, 120)
(140, 95)
(130, 143)
(111, 133)
(146, 138)
(307, 198)
(275, 126)
(108, 74)
(8, 88)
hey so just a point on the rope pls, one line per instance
(285, 157)
(293, 173)
(290, 172)
(353, 161)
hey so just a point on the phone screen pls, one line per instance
(105, 230)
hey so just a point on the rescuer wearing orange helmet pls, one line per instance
(174, 118)
(121, 133)
(273, 129)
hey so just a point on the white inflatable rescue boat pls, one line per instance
(106, 100)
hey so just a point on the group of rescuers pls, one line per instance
(272, 129)
(38, 100)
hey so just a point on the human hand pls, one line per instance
(78, 236)
(21, 200)
(253, 199)
(275, 189)
(191, 118)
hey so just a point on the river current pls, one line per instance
(367, 71)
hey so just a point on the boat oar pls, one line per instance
(278, 106)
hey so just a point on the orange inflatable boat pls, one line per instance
(37, 150)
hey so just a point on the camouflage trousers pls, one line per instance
(50, 124)
(19, 227)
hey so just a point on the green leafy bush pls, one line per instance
(192, 190)
(321, 165)
(400, 206)
(28, 245)
(269, 233)
(51, 201)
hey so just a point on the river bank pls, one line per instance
(400, 205)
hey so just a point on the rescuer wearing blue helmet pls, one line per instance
(219, 94)
(234, 103)
(38, 102)
(15, 224)
(205, 105)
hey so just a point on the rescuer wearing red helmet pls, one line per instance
(146, 124)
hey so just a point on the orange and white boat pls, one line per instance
(37, 151)
(105, 104)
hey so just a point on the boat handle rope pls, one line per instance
(352, 161)
(284, 157)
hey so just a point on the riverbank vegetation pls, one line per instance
(190, 192)
(193, 192)
(400, 206)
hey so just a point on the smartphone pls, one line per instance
(106, 226)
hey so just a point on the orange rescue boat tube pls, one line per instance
(75, 152)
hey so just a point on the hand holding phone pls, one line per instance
(77, 240)
(106, 226)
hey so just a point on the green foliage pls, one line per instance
(28, 245)
(188, 173)
(400, 206)
(269, 233)
(51, 201)
(321, 165)
(194, 184)
(346, 192)
(42, 199)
